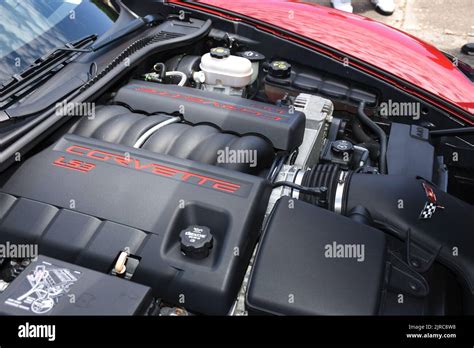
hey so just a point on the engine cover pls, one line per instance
(202, 143)
(84, 200)
(283, 127)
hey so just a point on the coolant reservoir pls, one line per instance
(222, 68)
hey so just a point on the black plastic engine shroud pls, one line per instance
(282, 126)
(84, 200)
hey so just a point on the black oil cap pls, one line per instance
(279, 69)
(253, 56)
(196, 241)
(340, 146)
(220, 52)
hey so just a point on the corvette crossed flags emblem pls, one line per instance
(431, 205)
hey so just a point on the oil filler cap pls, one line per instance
(196, 241)
(340, 146)
(253, 56)
(220, 52)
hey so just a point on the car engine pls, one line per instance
(229, 183)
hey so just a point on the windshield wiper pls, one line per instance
(131, 27)
(44, 67)
(51, 63)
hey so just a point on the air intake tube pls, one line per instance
(416, 211)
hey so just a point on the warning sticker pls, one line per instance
(42, 288)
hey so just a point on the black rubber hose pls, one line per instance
(359, 133)
(452, 132)
(271, 173)
(374, 149)
(278, 169)
(365, 140)
(303, 189)
(366, 121)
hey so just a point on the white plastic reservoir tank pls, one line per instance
(222, 68)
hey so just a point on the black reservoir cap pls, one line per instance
(279, 69)
(220, 52)
(196, 241)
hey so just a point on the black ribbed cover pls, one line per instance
(202, 143)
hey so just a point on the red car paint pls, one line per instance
(137, 164)
(377, 44)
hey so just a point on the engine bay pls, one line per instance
(234, 181)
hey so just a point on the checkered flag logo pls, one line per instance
(428, 211)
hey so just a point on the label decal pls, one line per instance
(43, 287)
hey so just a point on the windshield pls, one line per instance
(30, 29)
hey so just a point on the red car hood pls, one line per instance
(377, 44)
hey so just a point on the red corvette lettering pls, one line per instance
(195, 100)
(135, 163)
(229, 107)
(122, 160)
(165, 171)
(74, 149)
(95, 154)
(268, 108)
(226, 186)
(215, 104)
